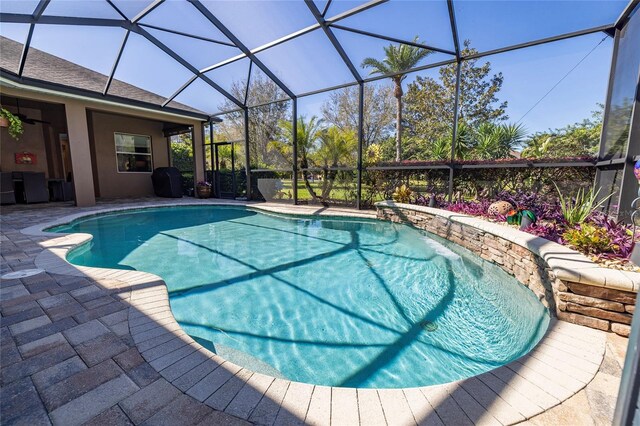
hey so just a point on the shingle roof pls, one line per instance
(44, 66)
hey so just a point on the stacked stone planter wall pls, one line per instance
(573, 287)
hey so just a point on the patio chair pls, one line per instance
(7, 190)
(35, 187)
(60, 190)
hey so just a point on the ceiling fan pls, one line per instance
(26, 119)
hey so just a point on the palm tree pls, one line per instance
(337, 147)
(398, 59)
(464, 141)
(441, 149)
(308, 136)
(538, 146)
(494, 141)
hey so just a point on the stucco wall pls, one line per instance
(32, 140)
(112, 184)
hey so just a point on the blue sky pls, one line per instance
(310, 62)
(529, 74)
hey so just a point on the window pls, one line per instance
(133, 153)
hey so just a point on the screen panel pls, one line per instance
(199, 53)
(182, 16)
(12, 41)
(80, 8)
(625, 82)
(406, 20)
(233, 78)
(95, 48)
(256, 23)
(131, 8)
(271, 137)
(360, 47)
(26, 7)
(307, 63)
(491, 24)
(201, 96)
(558, 119)
(146, 66)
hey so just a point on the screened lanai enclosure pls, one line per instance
(341, 102)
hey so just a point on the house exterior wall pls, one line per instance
(32, 141)
(115, 117)
(111, 183)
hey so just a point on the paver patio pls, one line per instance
(102, 347)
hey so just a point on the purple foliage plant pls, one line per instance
(551, 224)
(621, 234)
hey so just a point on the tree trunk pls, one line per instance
(327, 184)
(399, 123)
(303, 165)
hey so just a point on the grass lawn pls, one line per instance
(338, 193)
(341, 193)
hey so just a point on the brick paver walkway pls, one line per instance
(106, 350)
(67, 354)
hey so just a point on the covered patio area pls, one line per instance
(121, 148)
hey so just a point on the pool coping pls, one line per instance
(564, 361)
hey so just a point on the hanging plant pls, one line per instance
(13, 123)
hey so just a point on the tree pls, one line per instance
(263, 120)
(430, 103)
(182, 152)
(398, 59)
(493, 141)
(489, 141)
(341, 110)
(336, 148)
(574, 140)
(441, 149)
(308, 137)
(318, 147)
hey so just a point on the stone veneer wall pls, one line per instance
(602, 308)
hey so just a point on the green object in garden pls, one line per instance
(517, 217)
(590, 239)
(514, 217)
(527, 219)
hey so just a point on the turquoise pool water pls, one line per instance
(356, 303)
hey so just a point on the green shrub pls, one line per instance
(402, 194)
(590, 239)
(576, 210)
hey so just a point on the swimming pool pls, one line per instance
(339, 302)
